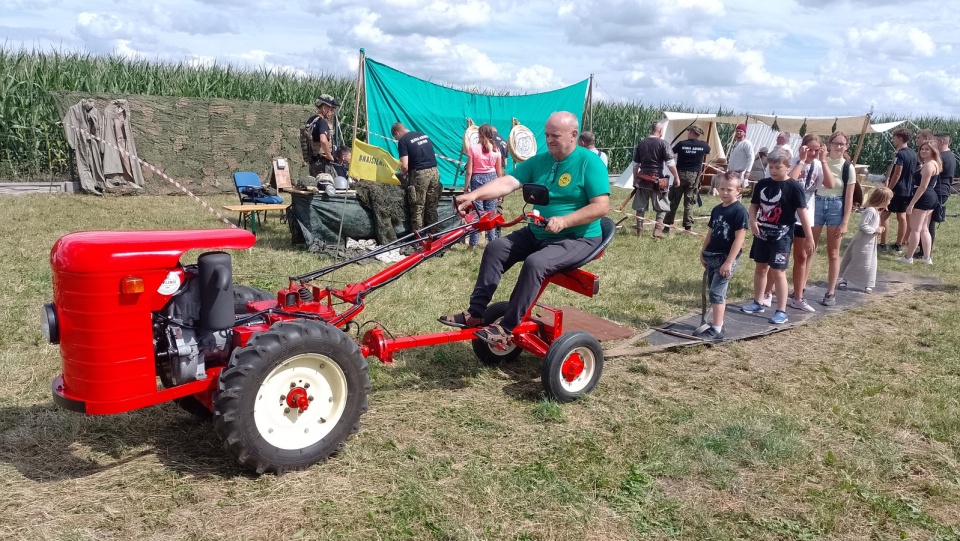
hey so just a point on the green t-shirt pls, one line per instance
(572, 183)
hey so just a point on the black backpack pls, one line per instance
(307, 146)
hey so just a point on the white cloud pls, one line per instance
(591, 22)
(891, 40)
(537, 78)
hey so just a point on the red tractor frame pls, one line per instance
(283, 381)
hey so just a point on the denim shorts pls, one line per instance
(828, 210)
(718, 284)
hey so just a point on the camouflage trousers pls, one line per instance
(689, 186)
(423, 196)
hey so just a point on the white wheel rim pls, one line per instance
(286, 427)
(589, 369)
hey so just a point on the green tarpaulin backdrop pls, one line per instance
(441, 113)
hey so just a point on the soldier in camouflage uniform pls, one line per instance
(418, 163)
(321, 136)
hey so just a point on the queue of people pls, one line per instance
(794, 200)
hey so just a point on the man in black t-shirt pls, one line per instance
(418, 163)
(900, 182)
(690, 155)
(322, 136)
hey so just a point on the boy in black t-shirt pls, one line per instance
(722, 247)
(773, 212)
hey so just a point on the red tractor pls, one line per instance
(283, 381)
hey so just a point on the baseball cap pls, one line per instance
(696, 129)
(742, 127)
(327, 99)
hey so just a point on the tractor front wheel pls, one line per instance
(572, 366)
(291, 396)
(487, 353)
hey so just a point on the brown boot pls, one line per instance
(658, 232)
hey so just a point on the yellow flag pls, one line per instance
(373, 163)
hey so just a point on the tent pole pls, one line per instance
(588, 107)
(863, 132)
(356, 103)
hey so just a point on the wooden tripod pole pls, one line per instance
(863, 132)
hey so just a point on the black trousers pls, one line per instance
(540, 259)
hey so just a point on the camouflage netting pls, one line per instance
(202, 142)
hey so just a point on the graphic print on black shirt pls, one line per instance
(690, 154)
(778, 202)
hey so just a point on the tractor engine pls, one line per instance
(127, 313)
(193, 331)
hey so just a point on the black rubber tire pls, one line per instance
(243, 387)
(485, 352)
(555, 386)
(244, 294)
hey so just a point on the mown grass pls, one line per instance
(843, 429)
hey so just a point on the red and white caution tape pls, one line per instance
(183, 188)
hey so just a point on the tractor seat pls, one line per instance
(607, 229)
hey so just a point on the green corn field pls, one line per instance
(32, 144)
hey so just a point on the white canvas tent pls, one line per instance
(759, 131)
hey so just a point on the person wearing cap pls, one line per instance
(759, 169)
(741, 155)
(418, 164)
(690, 155)
(322, 137)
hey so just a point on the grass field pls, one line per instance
(843, 429)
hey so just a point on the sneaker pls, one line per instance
(711, 334)
(842, 285)
(800, 305)
(928, 261)
(767, 300)
(830, 299)
(881, 247)
(868, 290)
(779, 318)
(905, 260)
(895, 248)
(753, 308)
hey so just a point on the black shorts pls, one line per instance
(798, 231)
(775, 253)
(927, 201)
(899, 203)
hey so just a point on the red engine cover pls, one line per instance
(106, 339)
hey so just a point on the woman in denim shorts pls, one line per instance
(832, 208)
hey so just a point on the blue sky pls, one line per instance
(802, 57)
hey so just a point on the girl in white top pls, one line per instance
(833, 206)
(811, 172)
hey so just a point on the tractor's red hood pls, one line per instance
(92, 251)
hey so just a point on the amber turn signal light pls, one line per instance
(131, 285)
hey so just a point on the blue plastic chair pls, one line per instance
(249, 191)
